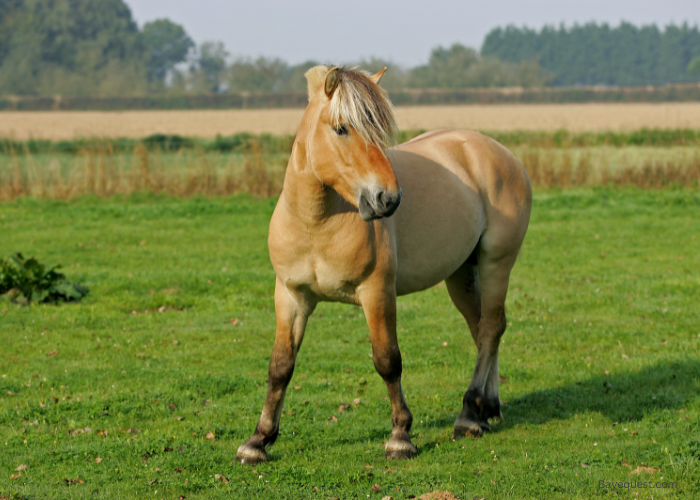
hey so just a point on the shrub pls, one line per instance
(27, 280)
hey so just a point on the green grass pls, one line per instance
(600, 363)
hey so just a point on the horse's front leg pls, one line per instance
(380, 309)
(292, 310)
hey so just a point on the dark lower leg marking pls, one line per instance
(387, 361)
(266, 431)
(480, 402)
(399, 444)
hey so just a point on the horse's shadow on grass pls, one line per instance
(624, 397)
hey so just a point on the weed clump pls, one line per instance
(26, 280)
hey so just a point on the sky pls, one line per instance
(402, 31)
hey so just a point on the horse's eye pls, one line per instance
(341, 130)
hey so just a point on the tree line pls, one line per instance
(84, 47)
(594, 54)
(95, 48)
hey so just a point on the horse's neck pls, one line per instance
(305, 196)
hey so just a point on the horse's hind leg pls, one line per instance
(465, 293)
(490, 284)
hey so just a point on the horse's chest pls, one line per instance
(325, 267)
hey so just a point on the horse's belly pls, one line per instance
(431, 258)
(437, 227)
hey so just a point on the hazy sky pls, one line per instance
(402, 31)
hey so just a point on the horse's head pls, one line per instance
(350, 121)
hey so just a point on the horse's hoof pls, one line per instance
(471, 429)
(400, 450)
(400, 455)
(249, 455)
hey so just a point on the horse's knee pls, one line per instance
(388, 363)
(491, 329)
(281, 370)
(500, 329)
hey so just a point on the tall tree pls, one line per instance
(9, 11)
(447, 67)
(209, 67)
(70, 47)
(166, 44)
(261, 74)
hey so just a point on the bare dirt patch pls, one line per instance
(438, 495)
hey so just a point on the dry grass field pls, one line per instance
(188, 173)
(58, 125)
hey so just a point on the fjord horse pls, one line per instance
(464, 209)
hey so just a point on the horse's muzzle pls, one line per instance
(378, 204)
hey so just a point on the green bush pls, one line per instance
(27, 280)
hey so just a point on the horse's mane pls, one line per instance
(365, 106)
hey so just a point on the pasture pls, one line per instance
(62, 125)
(147, 387)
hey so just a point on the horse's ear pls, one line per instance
(314, 79)
(376, 77)
(332, 80)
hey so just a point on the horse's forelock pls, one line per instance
(365, 106)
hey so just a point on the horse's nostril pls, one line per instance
(378, 204)
(396, 199)
(380, 199)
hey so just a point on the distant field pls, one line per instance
(209, 123)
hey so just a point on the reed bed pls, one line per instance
(604, 166)
(104, 172)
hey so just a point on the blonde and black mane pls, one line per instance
(361, 104)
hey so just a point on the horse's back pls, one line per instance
(479, 162)
(460, 189)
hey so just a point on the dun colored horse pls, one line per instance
(464, 209)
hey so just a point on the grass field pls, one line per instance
(208, 123)
(147, 387)
(244, 163)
